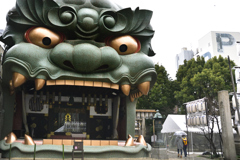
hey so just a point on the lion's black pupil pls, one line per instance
(46, 41)
(123, 48)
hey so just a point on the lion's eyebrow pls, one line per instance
(127, 21)
(76, 2)
(48, 14)
(101, 4)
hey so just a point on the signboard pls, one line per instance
(78, 145)
(153, 138)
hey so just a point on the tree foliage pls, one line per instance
(199, 79)
(161, 96)
(195, 79)
(184, 75)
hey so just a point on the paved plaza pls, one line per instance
(156, 154)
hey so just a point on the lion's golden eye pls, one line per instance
(124, 44)
(43, 37)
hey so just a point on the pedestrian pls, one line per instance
(179, 144)
(184, 139)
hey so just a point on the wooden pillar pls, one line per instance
(143, 127)
(7, 114)
(229, 150)
(130, 117)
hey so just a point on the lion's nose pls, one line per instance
(85, 58)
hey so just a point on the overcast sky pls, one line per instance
(177, 23)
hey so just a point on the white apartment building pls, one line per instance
(184, 54)
(217, 43)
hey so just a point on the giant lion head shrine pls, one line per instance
(74, 70)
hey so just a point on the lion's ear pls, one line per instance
(151, 53)
(7, 40)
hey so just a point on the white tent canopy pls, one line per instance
(176, 122)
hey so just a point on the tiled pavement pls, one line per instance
(163, 154)
(157, 154)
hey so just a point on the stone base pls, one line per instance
(20, 150)
(237, 146)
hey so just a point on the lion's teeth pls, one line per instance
(106, 85)
(11, 138)
(132, 97)
(115, 86)
(139, 94)
(141, 140)
(11, 88)
(126, 89)
(144, 87)
(60, 82)
(88, 83)
(39, 83)
(97, 84)
(69, 82)
(130, 141)
(18, 79)
(11, 85)
(82, 83)
(135, 95)
(28, 140)
(50, 82)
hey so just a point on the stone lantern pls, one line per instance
(157, 127)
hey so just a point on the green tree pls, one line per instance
(184, 74)
(161, 96)
(198, 80)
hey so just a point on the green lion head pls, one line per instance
(77, 47)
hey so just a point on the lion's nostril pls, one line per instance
(85, 57)
(68, 64)
(103, 67)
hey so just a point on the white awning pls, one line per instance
(176, 122)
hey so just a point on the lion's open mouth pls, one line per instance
(79, 87)
(70, 101)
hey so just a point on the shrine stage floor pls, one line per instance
(20, 150)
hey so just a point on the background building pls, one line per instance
(217, 43)
(184, 54)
